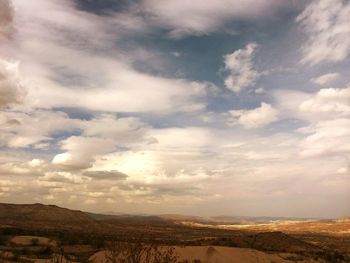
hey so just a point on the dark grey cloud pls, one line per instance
(104, 7)
(179, 191)
(159, 190)
(57, 178)
(105, 175)
(6, 18)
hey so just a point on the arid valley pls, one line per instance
(46, 233)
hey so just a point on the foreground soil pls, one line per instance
(217, 254)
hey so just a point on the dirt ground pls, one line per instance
(29, 240)
(215, 254)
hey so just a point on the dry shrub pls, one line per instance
(138, 252)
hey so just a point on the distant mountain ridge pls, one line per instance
(165, 227)
(213, 220)
(52, 213)
(216, 220)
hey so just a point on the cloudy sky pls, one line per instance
(219, 107)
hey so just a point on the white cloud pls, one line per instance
(198, 17)
(37, 128)
(203, 167)
(81, 151)
(127, 91)
(240, 65)
(36, 163)
(10, 88)
(330, 102)
(191, 137)
(62, 45)
(7, 187)
(326, 78)
(126, 131)
(327, 113)
(99, 136)
(327, 138)
(327, 103)
(255, 118)
(259, 90)
(24, 129)
(327, 25)
(166, 158)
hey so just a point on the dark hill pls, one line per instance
(267, 241)
(278, 241)
(39, 216)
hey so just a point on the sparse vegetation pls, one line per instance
(138, 252)
(3, 239)
(34, 241)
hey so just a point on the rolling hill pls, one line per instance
(39, 216)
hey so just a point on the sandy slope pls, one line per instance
(220, 255)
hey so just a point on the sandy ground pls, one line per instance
(48, 261)
(220, 255)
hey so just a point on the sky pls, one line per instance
(220, 107)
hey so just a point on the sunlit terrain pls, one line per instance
(338, 227)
